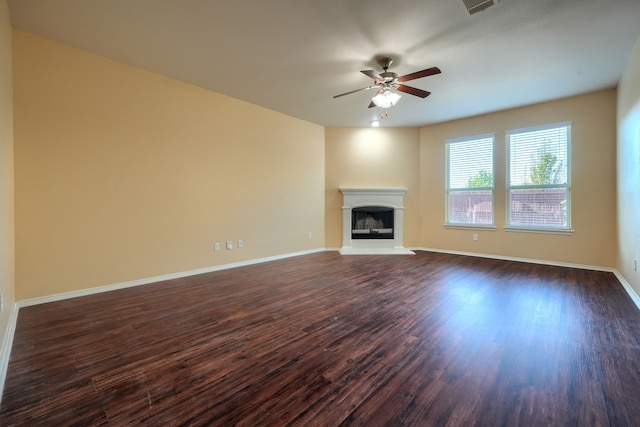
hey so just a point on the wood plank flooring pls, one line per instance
(325, 340)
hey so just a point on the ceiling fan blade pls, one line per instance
(354, 91)
(419, 74)
(413, 91)
(375, 76)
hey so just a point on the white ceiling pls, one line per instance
(292, 56)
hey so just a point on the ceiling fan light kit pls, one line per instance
(386, 99)
(387, 81)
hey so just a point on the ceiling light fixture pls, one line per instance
(386, 98)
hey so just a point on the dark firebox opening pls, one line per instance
(372, 222)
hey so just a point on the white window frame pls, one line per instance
(449, 188)
(567, 185)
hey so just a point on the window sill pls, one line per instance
(471, 226)
(564, 231)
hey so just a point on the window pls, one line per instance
(470, 181)
(538, 180)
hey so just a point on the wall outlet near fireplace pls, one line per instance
(216, 246)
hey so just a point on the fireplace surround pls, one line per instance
(372, 221)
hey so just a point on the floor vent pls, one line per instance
(474, 6)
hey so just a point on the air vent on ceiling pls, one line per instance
(474, 6)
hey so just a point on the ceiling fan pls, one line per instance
(388, 80)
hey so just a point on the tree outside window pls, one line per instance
(470, 181)
(538, 183)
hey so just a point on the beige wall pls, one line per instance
(415, 158)
(367, 157)
(6, 173)
(593, 136)
(122, 174)
(629, 170)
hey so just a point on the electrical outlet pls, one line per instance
(475, 237)
(216, 246)
(310, 235)
(229, 245)
(240, 244)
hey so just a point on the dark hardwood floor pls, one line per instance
(325, 340)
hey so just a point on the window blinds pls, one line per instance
(470, 181)
(538, 177)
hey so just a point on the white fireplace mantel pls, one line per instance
(386, 197)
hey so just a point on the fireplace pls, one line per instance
(372, 221)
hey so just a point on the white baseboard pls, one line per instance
(634, 296)
(375, 251)
(149, 280)
(627, 287)
(7, 343)
(146, 281)
(508, 258)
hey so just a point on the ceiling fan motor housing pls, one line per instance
(385, 63)
(388, 76)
